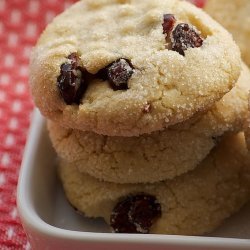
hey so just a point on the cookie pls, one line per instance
(129, 67)
(160, 155)
(247, 132)
(234, 16)
(247, 126)
(192, 204)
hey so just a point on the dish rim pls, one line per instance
(33, 223)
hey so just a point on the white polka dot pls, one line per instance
(13, 123)
(4, 79)
(10, 233)
(12, 39)
(27, 51)
(5, 161)
(2, 5)
(2, 96)
(16, 106)
(20, 88)
(31, 30)
(2, 179)
(15, 16)
(27, 246)
(9, 60)
(9, 140)
(24, 70)
(34, 6)
(13, 213)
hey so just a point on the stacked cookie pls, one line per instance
(146, 102)
(234, 16)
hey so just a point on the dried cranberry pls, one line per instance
(118, 74)
(168, 23)
(143, 211)
(119, 219)
(184, 37)
(74, 59)
(71, 81)
(135, 214)
(102, 74)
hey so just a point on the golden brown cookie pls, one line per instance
(234, 16)
(192, 204)
(160, 155)
(129, 67)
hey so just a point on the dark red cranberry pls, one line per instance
(71, 81)
(119, 73)
(143, 212)
(168, 23)
(102, 74)
(184, 37)
(119, 219)
(135, 214)
(73, 57)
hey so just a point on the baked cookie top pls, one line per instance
(191, 204)
(128, 67)
(234, 16)
(157, 156)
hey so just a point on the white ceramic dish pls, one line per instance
(51, 223)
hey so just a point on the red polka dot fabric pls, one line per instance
(21, 22)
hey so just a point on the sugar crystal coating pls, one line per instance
(162, 78)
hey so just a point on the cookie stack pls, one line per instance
(234, 16)
(146, 100)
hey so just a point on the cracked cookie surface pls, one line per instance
(234, 16)
(162, 87)
(160, 155)
(192, 204)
